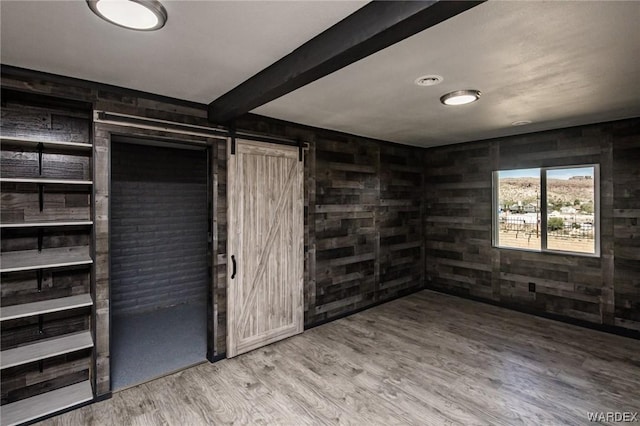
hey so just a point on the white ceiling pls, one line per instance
(205, 49)
(555, 63)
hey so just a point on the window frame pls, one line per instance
(495, 219)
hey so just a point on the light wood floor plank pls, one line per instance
(425, 359)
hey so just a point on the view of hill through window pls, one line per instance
(570, 209)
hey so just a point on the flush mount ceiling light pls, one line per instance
(521, 123)
(429, 80)
(141, 15)
(460, 97)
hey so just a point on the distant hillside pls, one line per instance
(560, 192)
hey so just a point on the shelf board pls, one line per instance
(45, 307)
(46, 403)
(46, 348)
(52, 144)
(47, 181)
(46, 223)
(28, 260)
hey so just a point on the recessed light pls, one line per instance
(429, 80)
(460, 97)
(521, 123)
(141, 15)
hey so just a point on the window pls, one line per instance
(550, 209)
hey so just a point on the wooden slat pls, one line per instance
(47, 403)
(45, 307)
(46, 223)
(48, 258)
(46, 181)
(52, 144)
(46, 349)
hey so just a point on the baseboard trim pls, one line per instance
(612, 329)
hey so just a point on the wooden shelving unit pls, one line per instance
(46, 198)
(47, 403)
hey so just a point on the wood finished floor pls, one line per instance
(426, 359)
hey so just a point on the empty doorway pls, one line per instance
(159, 269)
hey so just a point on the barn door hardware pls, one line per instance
(40, 331)
(300, 148)
(190, 129)
(232, 134)
(40, 186)
(233, 265)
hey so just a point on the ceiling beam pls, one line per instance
(375, 26)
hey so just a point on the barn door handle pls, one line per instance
(233, 262)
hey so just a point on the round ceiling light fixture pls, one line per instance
(429, 80)
(460, 97)
(521, 123)
(141, 15)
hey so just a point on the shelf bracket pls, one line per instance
(39, 277)
(40, 331)
(40, 149)
(41, 196)
(40, 239)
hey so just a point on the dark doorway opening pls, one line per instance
(159, 268)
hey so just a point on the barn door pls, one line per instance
(265, 245)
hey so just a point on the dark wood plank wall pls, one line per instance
(400, 220)
(363, 228)
(159, 226)
(21, 118)
(459, 256)
(626, 223)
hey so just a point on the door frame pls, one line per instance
(101, 246)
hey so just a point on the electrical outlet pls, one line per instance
(532, 287)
